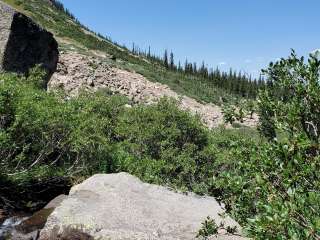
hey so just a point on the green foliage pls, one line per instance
(233, 113)
(18, 2)
(164, 145)
(229, 114)
(37, 77)
(273, 187)
(44, 138)
(251, 107)
(209, 228)
(292, 97)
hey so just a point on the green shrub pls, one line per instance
(44, 138)
(273, 187)
(18, 2)
(229, 114)
(164, 145)
(209, 228)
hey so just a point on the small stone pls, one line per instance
(35, 222)
(3, 216)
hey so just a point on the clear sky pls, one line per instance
(240, 34)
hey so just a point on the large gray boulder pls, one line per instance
(120, 206)
(23, 44)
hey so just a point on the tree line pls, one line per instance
(234, 82)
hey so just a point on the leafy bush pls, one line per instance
(229, 114)
(273, 187)
(209, 228)
(293, 96)
(244, 108)
(46, 139)
(164, 145)
(18, 2)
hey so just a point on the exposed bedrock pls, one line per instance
(24, 44)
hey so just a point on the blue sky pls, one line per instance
(240, 34)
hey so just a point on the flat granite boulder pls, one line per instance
(120, 206)
(24, 44)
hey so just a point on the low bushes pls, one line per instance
(44, 138)
(274, 187)
(269, 184)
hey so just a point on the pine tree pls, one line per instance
(195, 69)
(180, 67)
(172, 66)
(233, 82)
(165, 59)
(133, 48)
(149, 52)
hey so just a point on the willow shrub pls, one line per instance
(46, 141)
(274, 187)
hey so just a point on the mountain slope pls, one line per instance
(71, 35)
(269, 182)
(77, 45)
(77, 72)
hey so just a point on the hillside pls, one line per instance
(73, 36)
(142, 146)
(80, 42)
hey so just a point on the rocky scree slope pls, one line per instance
(77, 72)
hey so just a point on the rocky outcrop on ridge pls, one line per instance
(24, 44)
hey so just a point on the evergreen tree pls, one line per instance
(195, 69)
(180, 67)
(149, 52)
(165, 59)
(133, 48)
(233, 82)
(172, 66)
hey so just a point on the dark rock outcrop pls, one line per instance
(24, 44)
